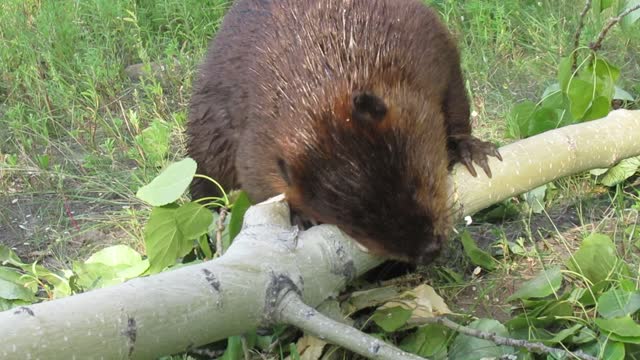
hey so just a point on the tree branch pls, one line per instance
(295, 312)
(238, 291)
(543, 158)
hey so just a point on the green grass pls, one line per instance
(78, 136)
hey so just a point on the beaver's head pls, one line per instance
(375, 166)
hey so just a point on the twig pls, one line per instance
(576, 37)
(595, 46)
(295, 312)
(535, 347)
(219, 230)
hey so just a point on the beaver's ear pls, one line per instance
(284, 171)
(368, 108)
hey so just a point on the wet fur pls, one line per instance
(355, 109)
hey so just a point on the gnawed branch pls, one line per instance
(195, 305)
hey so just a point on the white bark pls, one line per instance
(297, 313)
(195, 305)
(540, 159)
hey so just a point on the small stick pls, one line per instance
(595, 46)
(576, 37)
(219, 230)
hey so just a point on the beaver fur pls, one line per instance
(354, 109)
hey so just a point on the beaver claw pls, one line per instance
(470, 149)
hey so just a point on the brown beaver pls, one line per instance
(355, 109)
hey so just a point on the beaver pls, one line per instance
(356, 110)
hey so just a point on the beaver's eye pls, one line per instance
(368, 108)
(284, 170)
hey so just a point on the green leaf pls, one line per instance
(622, 94)
(476, 255)
(625, 339)
(614, 350)
(429, 341)
(391, 319)
(563, 335)
(502, 211)
(623, 326)
(617, 303)
(115, 256)
(545, 284)
(580, 93)
(543, 119)
(170, 232)
(621, 171)
(519, 120)
(240, 206)
(628, 21)
(528, 318)
(585, 335)
(600, 107)
(125, 262)
(193, 220)
(470, 348)
(553, 97)
(551, 90)
(293, 351)
(627, 284)
(10, 290)
(605, 348)
(10, 304)
(170, 184)
(95, 275)
(15, 276)
(556, 309)
(370, 297)
(204, 245)
(564, 73)
(587, 296)
(535, 198)
(8, 256)
(595, 259)
(605, 79)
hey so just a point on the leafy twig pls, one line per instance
(535, 347)
(576, 37)
(612, 21)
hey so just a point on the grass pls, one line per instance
(79, 136)
(80, 130)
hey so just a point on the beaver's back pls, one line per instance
(272, 58)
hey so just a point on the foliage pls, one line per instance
(585, 89)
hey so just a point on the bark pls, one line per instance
(194, 305)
